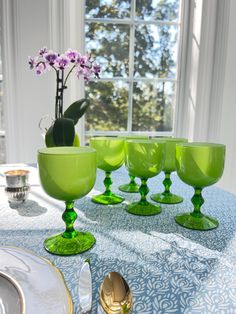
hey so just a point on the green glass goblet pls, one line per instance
(144, 159)
(199, 165)
(167, 197)
(67, 174)
(110, 157)
(132, 186)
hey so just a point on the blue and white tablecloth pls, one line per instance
(170, 269)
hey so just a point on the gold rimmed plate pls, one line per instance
(11, 296)
(33, 282)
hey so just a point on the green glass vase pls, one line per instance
(67, 174)
(199, 165)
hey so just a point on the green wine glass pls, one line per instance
(110, 157)
(67, 174)
(167, 197)
(144, 159)
(132, 186)
(199, 165)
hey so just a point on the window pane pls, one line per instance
(109, 44)
(107, 9)
(108, 106)
(164, 10)
(155, 51)
(153, 106)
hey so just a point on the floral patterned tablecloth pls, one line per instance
(170, 269)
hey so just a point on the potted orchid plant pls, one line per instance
(62, 130)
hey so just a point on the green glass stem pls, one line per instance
(143, 190)
(167, 183)
(107, 197)
(132, 180)
(167, 197)
(69, 216)
(197, 201)
(131, 187)
(108, 182)
(143, 207)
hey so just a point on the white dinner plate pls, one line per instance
(11, 297)
(34, 283)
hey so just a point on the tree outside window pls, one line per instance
(136, 42)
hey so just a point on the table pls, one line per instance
(170, 269)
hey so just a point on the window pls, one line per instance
(137, 44)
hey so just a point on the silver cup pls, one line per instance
(17, 187)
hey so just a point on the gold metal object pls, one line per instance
(115, 295)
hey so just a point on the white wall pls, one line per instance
(227, 128)
(27, 97)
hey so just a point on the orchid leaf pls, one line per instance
(76, 110)
(49, 141)
(61, 133)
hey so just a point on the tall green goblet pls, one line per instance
(167, 197)
(199, 165)
(132, 186)
(110, 157)
(144, 159)
(67, 174)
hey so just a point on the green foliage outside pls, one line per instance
(154, 57)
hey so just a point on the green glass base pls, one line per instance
(197, 223)
(143, 209)
(129, 188)
(107, 199)
(59, 245)
(167, 198)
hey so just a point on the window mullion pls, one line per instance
(131, 66)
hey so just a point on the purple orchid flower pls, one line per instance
(51, 57)
(43, 51)
(40, 68)
(96, 69)
(62, 62)
(72, 55)
(32, 62)
(83, 61)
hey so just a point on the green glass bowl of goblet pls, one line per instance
(67, 174)
(167, 197)
(199, 165)
(144, 159)
(132, 186)
(110, 157)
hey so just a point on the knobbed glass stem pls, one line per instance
(69, 216)
(197, 201)
(167, 183)
(108, 182)
(107, 197)
(143, 190)
(167, 197)
(132, 179)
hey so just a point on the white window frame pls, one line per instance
(182, 24)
